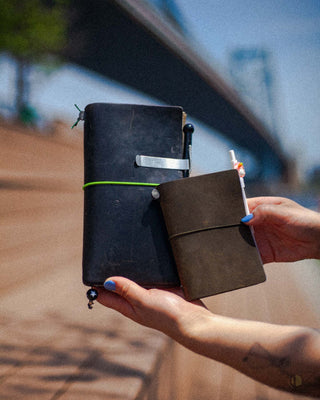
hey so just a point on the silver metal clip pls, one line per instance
(162, 162)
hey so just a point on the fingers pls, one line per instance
(266, 209)
(164, 310)
(258, 207)
(266, 213)
(257, 201)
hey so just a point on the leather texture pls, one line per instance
(213, 250)
(124, 231)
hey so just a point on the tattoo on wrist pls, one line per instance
(258, 358)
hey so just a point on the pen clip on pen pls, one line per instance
(240, 168)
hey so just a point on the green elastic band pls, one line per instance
(119, 183)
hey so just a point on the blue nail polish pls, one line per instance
(110, 285)
(247, 218)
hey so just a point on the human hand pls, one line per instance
(164, 310)
(242, 344)
(284, 230)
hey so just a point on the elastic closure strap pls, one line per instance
(119, 183)
(210, 228)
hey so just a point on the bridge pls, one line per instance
(127, 41)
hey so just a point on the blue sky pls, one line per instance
(289, 29)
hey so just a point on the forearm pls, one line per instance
(283, 357)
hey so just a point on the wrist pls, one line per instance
(195, 328)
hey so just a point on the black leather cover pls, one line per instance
(124, 231)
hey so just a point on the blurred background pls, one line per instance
(245, 72)
(247, 75)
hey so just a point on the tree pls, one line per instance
(31, 30)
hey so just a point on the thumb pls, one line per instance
(125, 288)
(122, 295)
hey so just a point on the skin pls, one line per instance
(284, 230)
(283, 357)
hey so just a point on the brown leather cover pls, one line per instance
(213, 250)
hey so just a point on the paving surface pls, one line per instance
(53, 347)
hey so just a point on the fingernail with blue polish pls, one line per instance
(247, 218)
(110, 285)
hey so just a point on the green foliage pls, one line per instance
(30, 29)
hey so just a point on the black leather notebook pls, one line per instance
(124, 231)
(213, 250)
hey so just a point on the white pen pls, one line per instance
(239, 166)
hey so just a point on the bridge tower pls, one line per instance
(252, 75)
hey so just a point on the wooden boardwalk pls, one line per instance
(53, 347)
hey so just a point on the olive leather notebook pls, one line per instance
(124, 231)
(213, 250)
